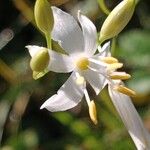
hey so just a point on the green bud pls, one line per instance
(117, 20)
(40, 61)
(44, 16)
(37, 75)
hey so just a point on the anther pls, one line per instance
(93, 112)
(114, 66)
(92, 107)
(125, 90)
(119, 76)
(109, 60)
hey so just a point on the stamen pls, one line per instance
(125, 90)
(92, 107)
(87, 96)
(93, 112)
(119, 76)
(109, 60)
(114, 66)
(82, 63)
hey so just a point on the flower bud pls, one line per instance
(40, 61)
(117, 20)
(37, 75)
(44, 16)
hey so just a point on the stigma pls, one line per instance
(109, 60)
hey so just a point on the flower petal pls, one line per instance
(131, 119)
(68, 96)
(67, 31)
(97, 66)
(105, 50)
(89, 33)
(33, 49)
(96, 80)
(60, 63)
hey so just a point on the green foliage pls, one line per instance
(135, 50)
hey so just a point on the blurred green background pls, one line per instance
(23, 126)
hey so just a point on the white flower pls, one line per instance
(98, 70)
(81, 45)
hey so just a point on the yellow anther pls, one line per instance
(125, 90)
(82, 63)
(114, 66)
(109, 60)
(93, 112)
(80, 80)
(119, 76)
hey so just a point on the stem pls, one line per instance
(103, 7)
(113, 46)
(48, 40)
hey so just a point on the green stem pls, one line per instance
(103, 7)
(48, 40)
(113, 46)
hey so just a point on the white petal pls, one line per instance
(131, 119)
(60, 63)
(67, 32)
(96, 80)
(97, 66)
(89, 33)
(33, 49)
(105, 50)
(68, 96)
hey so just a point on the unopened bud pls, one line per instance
(44, 16)
(117, 20)
(37, 75)
(40, 61)
(93, 112)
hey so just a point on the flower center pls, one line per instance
(82, 63)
